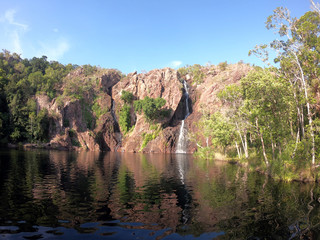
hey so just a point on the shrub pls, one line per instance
(124, 118)
(223, 65)
(127, 97)
(98, 110)
(194, 71)
(151, 107)
(87, 115)
(89, 70)
(146, 139)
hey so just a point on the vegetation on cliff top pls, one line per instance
(22, 80)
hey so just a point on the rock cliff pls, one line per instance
(91, 120)
(162, 83)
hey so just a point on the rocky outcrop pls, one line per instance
(162, 83)
(204, 95)
(75, 125)
(108, 80)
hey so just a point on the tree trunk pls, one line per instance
(291, 128)
(309, 115)
(262, 143)
(238, 150)
(243, 142)
(246, 153)
(296, 146)
(273, 150)
(300, 114)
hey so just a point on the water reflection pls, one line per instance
(70, 194)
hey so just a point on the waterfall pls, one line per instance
(118, 134)
(182, 140)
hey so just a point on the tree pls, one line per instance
(267, 102)
(127, 97)
(298, 54)
(124, 118)
(151, 107)
(233, 96)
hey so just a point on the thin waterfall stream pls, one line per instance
(182, 140)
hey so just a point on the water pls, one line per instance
(85, 195)
(182, 140)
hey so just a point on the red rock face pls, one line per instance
(165, 83)
(156, 83)
(162, 83)
(72, 123)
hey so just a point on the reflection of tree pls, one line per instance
(44, 188)
(245, 205)
(125, 186)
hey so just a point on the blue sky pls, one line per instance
(139, 34)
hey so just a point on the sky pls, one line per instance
(139, 35)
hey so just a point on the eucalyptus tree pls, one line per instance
(298, 55)
(232, 95)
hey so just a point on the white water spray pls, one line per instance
(182, 140)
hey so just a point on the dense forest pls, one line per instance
(20, 81)
(272, 119)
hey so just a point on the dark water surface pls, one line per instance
(70, 195)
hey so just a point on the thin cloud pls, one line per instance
(175, 64)
(54, 51)
(13, 32)
(17, 48)
(13, 38)
(9, 17)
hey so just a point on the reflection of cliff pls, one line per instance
(144, 194)
(156, 192)
(86, 186)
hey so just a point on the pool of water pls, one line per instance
(86, 195)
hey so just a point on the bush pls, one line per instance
(127, 97)
(151, 107)
(87, 115)
(223, 65)
(147, 137)
(125, 119)
(98, 110)
(194, 71)
(89, 70)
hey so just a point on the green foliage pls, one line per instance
(89, 70)
(127, 97)
(125, 118)
(72, 133)
(218, 129)
(77, 88)
(38, 126)
(151, 107)
(205, 153)
(147, 137)
(74, 138)
(195, 72)
(20, 81)
(87, 115)
(223, 66)
(99, 110)
(260, 108)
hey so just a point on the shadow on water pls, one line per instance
(86, 195)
